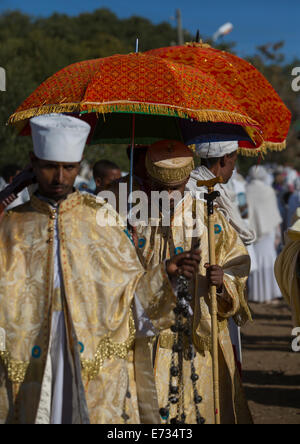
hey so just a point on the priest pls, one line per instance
(169, 165)
(68, 295)
(219, 159)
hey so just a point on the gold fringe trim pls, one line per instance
(16, 370)
(44, 109)
(250, 152)
(169, 176)
(169, 110)
(108, 349)
(263, 150)
(17, 119)
(271, 146)
(198, 44)
(136, 107)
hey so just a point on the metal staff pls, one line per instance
(210, 197)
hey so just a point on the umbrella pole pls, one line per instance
(210, 197)
(132, 153)
(131, 166)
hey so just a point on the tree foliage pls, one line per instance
(32, 49)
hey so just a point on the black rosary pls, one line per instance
(182, 347)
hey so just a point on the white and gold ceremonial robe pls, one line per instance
(287, 269)
(157, 243)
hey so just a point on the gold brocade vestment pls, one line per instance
(101, 274)
(157, 243)
(287, 269)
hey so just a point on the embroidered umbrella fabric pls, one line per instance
(106, 91)
(255, 95)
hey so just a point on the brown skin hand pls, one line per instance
(55, 179)
(215, 275)
(184, 264)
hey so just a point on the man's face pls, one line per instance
(173, 191)
(108, 179)
(55, 179)
(229, 165)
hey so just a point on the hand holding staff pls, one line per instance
(210, 197)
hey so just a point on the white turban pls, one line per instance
(59, 138)
(216, 149)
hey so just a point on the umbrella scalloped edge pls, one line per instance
(142, 108)
(18, 116)
(264, 149)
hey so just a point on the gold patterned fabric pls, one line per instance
(169, 162)
(245, 83)
(136, 83)
(101, 273)
(160, 243)
(287, 269)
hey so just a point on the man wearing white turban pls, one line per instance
(219, 159)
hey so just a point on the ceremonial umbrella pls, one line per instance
(137, 97)
(252, 91)
(169, 101)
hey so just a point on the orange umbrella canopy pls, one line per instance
(254, 94)
(141, 84)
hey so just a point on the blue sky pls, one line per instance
(255, 22)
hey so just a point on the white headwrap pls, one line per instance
(216, 149)
(59, 138)
(225, 203)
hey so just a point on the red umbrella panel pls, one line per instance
(251, 90)
(138, 84)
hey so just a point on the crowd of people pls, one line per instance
(113, 324)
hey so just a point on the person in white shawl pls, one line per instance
(265, 218)
(219, 159)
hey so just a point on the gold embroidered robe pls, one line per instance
(287, 268)
(157, 243)
(101, 274)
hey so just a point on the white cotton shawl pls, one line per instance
(224, 203)
(264, 215)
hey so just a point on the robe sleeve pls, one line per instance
(156, 295)
(152, 288)
(233, 257)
